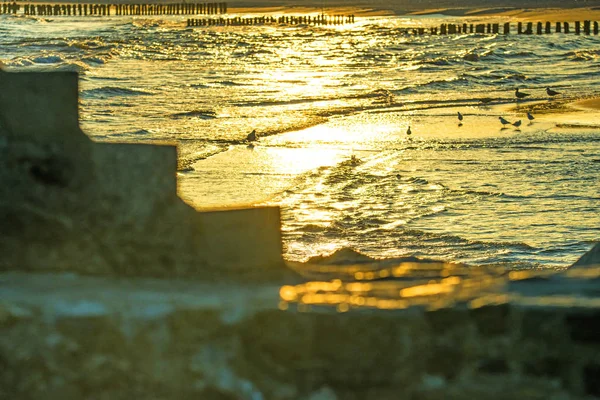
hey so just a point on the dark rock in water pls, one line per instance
(590, 258)
(342, 256)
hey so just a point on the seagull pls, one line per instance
(517, 124)
(251, 136)
(408, 131)
(503, 121)
(530, 117)
(520, 95)
(551, 92)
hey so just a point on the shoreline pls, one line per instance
(588, 104)
(521, 12)
(551, 14)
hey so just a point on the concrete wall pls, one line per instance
(69, 204)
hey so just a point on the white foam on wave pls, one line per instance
(93, 60)
(48, 59)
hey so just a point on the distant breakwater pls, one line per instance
(528, 28)
(320, 19)
(89, 9)
(85, 9)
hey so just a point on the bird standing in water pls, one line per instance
(503, 121)
(460, 118)
(408, 131)
(530, 117)
(251, 136)
(517, 124)
(551, 92)
(520, 95)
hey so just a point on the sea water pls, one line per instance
(331, 106)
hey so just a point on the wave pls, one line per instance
(30, 18)
(344, 255)
(444, 83)
(190, 152)
(518, 54)
(46, 64)
(582, 55)
(93, 60)
(577, 126)
(89, 44)
(112, 91)
(229, 83)
(29, 61)
(307, 100)
(494, 77)
(345, 262)
(441, 61)
(202, 114)
(447, 238)
(140, 132)
(145, 23)
(250, 52)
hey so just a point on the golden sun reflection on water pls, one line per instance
(415, 286)
(244, 176)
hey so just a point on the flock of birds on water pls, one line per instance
(519, 95)
(253, 136)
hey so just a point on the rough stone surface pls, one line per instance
(69, 204)
(64, 336)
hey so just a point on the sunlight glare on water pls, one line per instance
(319, 95)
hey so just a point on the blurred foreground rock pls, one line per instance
(437, 332)
(112, 288)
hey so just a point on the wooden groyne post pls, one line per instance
(523, 28)
(84, 9)
(282, 20)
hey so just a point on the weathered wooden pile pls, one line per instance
(321, 19)
(587, 27)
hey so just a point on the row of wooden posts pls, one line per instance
(115, 9)
(588, 27)
(288, 20)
